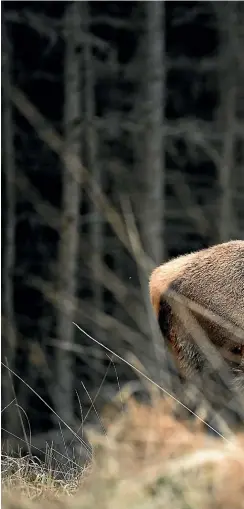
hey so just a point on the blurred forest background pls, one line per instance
(123, 127)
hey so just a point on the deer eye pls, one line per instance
(237, 350)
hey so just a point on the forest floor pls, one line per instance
(146, 460)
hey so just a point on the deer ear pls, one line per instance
(159, 283)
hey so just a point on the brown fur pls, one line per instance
(214, 279)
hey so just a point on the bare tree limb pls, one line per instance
(50, 136)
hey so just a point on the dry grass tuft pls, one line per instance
(147, 460)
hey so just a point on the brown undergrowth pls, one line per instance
(147, 459)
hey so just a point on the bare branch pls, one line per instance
(50, 136)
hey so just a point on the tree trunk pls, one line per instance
(9, 344)
(154, 180)
(226, 17)
(96, 226)
(69, 235)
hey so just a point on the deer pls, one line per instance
(198, 300)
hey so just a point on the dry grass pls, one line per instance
(146, 460)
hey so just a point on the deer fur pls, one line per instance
(213, 279)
